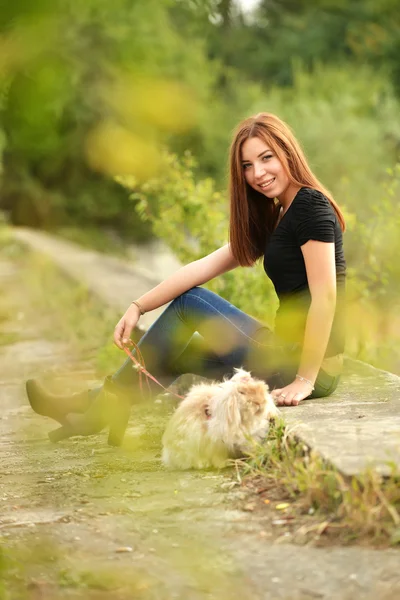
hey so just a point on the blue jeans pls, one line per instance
(201, 333)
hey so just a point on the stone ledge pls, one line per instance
(358, 426)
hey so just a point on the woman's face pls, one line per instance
(263, 170)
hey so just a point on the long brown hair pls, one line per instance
(253, 216)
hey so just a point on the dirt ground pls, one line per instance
(82, 520)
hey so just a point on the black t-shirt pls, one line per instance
(309, 217)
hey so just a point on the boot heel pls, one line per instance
(118, 424)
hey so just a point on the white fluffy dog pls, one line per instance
(218, 421)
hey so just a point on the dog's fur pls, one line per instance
(218, 421)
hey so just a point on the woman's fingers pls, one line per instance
(123, 329)
(126, 336)
(292, 394)
(293, 399)
(296, 399)
(118, 334)
(283, 398)
(276, 395)
(289, 401)
(129, 320)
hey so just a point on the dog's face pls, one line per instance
(218, 420)
(253, 396)
(253, 400)
(243, 407)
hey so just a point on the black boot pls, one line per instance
(55, 406)
(111, 407)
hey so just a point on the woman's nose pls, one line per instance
(259, 171)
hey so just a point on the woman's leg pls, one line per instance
(168, 349)
(325, 384)
(230, 340)
(198, 359)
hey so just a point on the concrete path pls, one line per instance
(358, 426)
(115, 281)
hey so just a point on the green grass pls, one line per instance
(365, 508)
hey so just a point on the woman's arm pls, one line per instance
(193, 274)
(319, 260)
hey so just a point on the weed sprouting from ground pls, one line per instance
(365, 507)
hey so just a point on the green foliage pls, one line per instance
(375, 281)
(83, 98)
(334, 32)
(379, 269)
(83, 102)
(178, 214)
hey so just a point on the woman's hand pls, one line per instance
(292, 394)
(125, 326)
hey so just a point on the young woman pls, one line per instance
(280, 212)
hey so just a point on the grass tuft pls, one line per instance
(358, 508)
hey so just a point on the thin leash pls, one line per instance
(141, 368)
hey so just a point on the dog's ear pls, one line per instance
(226, 410)
(241, 375)
(233, 414)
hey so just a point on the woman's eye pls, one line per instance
(265, 157)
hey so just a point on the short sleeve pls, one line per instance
(313, 217)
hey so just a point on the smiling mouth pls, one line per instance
(267, 183)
